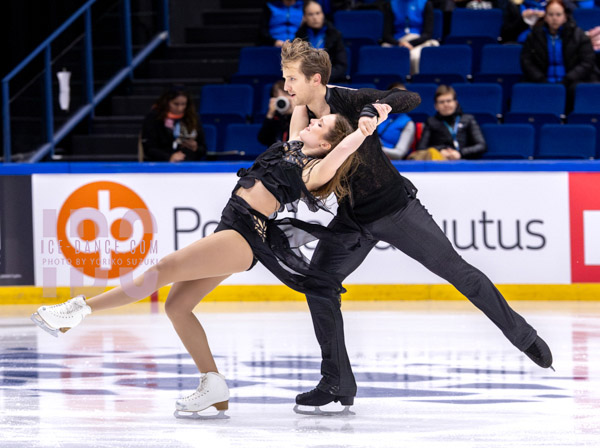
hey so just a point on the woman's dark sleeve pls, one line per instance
(475, 136)
(151, 142)
(586, 58)
(264, 29)
(513, 24)
(200, 152)
(531, 71)
(427, 31)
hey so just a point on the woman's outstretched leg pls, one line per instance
(220, 254)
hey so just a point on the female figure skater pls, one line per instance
(304, 168)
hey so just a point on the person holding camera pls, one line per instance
(276, 125)
(172, 131)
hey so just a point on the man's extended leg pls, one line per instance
(413, 231)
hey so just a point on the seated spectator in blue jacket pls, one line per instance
(397, 133)
(410, 26)
(454, 134)
(279, 22)
(322, 34)
(558, 51)
(172, 131)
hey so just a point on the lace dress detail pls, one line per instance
(278, 244)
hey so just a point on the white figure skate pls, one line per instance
(212, 391)
(61, 318)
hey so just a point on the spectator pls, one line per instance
(172, 130)
(397, 133)
(557, 51)
(521, 16)
(410, 26)
(322, 34)
(276, 125)
(279, 22)
(456, 135)
(594, 35)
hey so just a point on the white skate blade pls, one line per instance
(37, 319)
(196, 415)
(316, 410)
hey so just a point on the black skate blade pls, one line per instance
(196, 415)
(37, 319)
(316, 410)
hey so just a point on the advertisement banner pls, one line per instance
(91, 229)
(16, 251)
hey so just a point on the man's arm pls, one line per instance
(298, 122)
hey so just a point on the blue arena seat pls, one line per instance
(359, 28)
(587, 19)
(382, 66)
(476, 22)
(425, 109)
(210, 136)
(447, 64)
(587, 109)
(500, 64)
(258, 66)
(482, 100)
(475, 28)
(222, 104)
(536, 104)
(567, 141)
(509, 141)
(244, 138)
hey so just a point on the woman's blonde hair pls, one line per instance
(312, 61)
(339, 183)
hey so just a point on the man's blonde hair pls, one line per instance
(312, 60)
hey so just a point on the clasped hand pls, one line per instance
(367, 125)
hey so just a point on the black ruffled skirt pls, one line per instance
(276, 243)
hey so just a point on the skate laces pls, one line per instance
(66, 308)
(200, 390)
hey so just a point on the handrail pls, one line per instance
(92, 99)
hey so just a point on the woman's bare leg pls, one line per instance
(220, 254)
(182, 299)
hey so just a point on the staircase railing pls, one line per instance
(91, 98)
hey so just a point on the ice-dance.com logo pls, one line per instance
(105, 229)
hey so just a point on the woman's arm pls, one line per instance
(323, 171)
(299, 121)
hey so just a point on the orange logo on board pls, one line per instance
(105, 229)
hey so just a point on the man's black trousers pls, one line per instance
(413, 231)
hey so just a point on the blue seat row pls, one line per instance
(504, 141)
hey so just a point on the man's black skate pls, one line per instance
(316, 398)
(540, 353)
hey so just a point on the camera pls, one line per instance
(282, 104)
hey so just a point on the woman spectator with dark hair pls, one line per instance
(321, 33)
(558, 51)
(172, 131)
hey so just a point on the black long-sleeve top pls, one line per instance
(377, 188)
(471, 143)
(157, 141)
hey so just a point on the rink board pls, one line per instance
(535, 233)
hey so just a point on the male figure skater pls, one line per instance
(382, 206)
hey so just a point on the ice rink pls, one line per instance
(430, 374)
